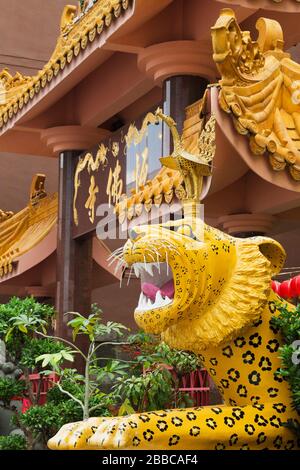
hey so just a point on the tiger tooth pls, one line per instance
(158, 299)
(167, 300)
(144, 302)
(148, 268)
(140, 301)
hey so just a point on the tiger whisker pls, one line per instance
(129, 276)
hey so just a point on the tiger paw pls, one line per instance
(74, 436)
(96, 434)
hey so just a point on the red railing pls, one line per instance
(196, 384)
(41, 386)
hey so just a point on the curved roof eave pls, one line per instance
(78, 50)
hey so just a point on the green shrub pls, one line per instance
(15, 442)
(10, 388)
(46, 420)
(288, 321)
(35, 347)
(183, 362)
(147, 392)
(19, 320)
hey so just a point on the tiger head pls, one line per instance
(199, 286)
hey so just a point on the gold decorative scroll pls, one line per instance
(260, 88)
(136, 136)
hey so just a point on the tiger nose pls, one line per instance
(134, 235)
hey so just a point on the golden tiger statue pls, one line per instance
(206, 292)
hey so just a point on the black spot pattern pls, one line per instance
(148, 435)
(177, 421)
(261, 438)
(195, 431)
(248, 357)
(227, 351)
(233, 374)
(240, 342)
(211, 423)
(260, 420)
(173, 441)
(255, 340)
(191, 416)
(250, 429)
(229, 421)
(254, 378)
(162, 425)
(238, 413)
(233, 439)
(242, 391)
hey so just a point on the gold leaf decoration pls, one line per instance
(260, 88)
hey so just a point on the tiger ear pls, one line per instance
(273, 251)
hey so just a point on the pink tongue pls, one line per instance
(150, 290)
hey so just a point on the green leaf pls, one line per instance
(23, 328)
(46, 358)
(68, 356)
(8, 334)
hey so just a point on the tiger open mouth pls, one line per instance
(157, 285)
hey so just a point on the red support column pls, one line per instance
(74, 256)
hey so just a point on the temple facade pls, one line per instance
(128, 84)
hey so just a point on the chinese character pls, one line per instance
(115, 149)
(114, 184)
(91, 200)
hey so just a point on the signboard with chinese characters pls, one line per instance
(114, 169)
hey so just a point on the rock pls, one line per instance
(17, 373)
(17, 432)
(8, 368)
(2, 352)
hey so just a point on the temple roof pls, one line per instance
(78, 28)
(260, 89)
(280, 5)
(21, 232)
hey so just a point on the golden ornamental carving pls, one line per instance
(183, 171)
(192, 167)
(266, 4)
(136, 136)
(37, 189)
(260, 88)
(22, 231)
(115, 184)
(88, 162)
(5, 215)
(11, 85)
(78, 27)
